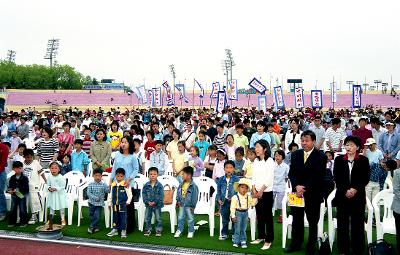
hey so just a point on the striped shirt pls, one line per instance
(219, 141)
(47, 149)
(86, 145)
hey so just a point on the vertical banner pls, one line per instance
(169, 96)
(333, 92)
(258, 86)
(150, 97)
(221, 101)
(357, 92)
(157, 99)
(278, 96)
(142, 91)
(262, 103)
(316, 99)
(181, 90)
(233, 95)
(215, 89)
(201, 95)
(298, 98)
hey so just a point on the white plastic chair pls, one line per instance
(74, 179)
(287, 190)
(170, 182)
(140, 181)
(168, 167)
(387, 223)
(206, 202)
(332, 222)
(113, 154)
(85, 202)
(89, 170)
(388, 182)
(287, 221)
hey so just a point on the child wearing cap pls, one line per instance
(240, 204)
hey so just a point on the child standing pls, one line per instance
(210, 160)
(329, 184)
(33, 170)
(19, 153)
(79, 158)
(119, 198)
(239, 162)
(280, 178)
(180, 161)
(57, 197)
(150, 145)
(202, 145)
(153, 198)
(96, 191)
(219, 165)
(195, 161)
(186, 201)
(230, 147)
(225, 192)
(66, 164)
(157, 157)
(248, 165)
(241, 202)
(292, 148)
(18, 187)
(14, 141)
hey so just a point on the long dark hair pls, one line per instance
(129, 139)
(265, 145)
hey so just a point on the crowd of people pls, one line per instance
(253, 157)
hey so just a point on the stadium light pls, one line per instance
(230, 61)
(52, 50)
(349, 83)
(11, 55)
(172, 69)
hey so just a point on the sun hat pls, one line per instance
(242, 181)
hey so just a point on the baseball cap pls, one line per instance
(370, 141)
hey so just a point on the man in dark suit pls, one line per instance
(306, 174)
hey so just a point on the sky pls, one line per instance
(136, 41)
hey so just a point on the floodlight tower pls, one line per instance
(349, 83)
(377, 82)
(172, 69)
(231, 62)
(225, 70)
(11, 55)
(52, 50)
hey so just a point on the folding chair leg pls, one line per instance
(107, 216)
(79, 215)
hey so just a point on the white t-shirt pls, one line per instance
(33, 171)
(374, 156)
(263, 174)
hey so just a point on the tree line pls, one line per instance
(13, 76)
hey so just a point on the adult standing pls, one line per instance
(306, 174)
(376, 128)
(3, 180)
(66, 137)
(126, 159)
(47, 148)
(100, 150)
(263, 182)
(362, 132)
(389, 142)
(351, 173)
(335, 135)
(396, 205)
(293, 135)
(319, 132)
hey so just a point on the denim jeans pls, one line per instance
(149, 215)
(3, 183)
(240, 227)
(183, 213)
(226, 216)
(94, 215)
(20, 203)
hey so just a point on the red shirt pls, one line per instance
(149, 147)
(86, 145)
(3, 156)
(363, 134)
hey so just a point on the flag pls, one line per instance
(233, 95)
(137, 93)
(262, 103)
(278, 96)
(142, 91)
(215, 89)
(150, 97)
(157, 98)
(258, 86)
(181, 89)
(357, 92)
(201, 96)
(298, 98)
(169, 96)
(221, 101)
(316, 98)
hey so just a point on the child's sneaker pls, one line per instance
(123, 233)
(33, 220)
(243, 245)
(18, 221)
(223, 238)
(235, 245)
(90, 230)
(177, 234)
(190, 235)
(23, 225)
(11, 225)
(113, 232)
(158, 233)
(95, 230)
(147, 233)
(63, 222)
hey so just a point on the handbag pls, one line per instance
(381, 247)
(168, 195)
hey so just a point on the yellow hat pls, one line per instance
(242, 181)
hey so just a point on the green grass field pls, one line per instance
(201, 239)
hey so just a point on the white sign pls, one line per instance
(262, 103)
(278, 95)
(316, 98)
(157, 97)
(299, 98)
(221, 100)
(233, 90)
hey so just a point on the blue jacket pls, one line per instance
(394, 143)
(222, 188)
(153, 194)
(118, 194)
(192, 194)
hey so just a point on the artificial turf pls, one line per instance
(201, 240)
